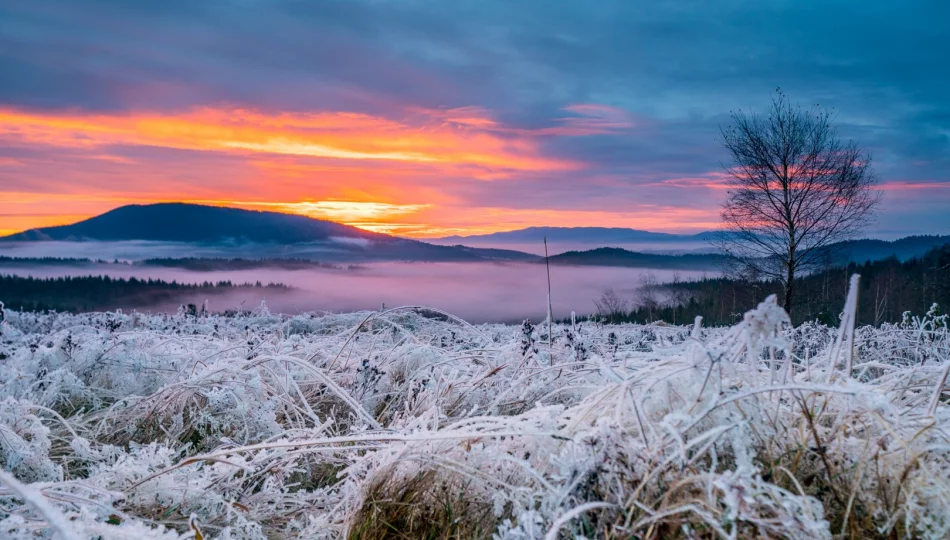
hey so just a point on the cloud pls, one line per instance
(532, 106)
(373, 216)
(912, 186)
(333, 135)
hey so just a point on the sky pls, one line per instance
(435, 118)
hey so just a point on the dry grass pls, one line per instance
(422, 507)
(394, 425)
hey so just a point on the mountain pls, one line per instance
(193, 223)
(588, 235)
(238, 232)
(607, 256)
(578, 239)
(216, 232)
(842, 253)
(859, 251)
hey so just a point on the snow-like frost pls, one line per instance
(264, 426)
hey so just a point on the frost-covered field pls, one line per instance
(394, 424)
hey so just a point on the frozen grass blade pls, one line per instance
(412, 422)
(56, 520)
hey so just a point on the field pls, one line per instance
(410, 423)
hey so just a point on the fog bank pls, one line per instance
(556, 247)
(478, 292)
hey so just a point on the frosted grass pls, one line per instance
(413, 422)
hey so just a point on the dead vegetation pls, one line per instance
(394, 425)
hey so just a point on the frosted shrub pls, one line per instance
(409, 421)
(25, 443)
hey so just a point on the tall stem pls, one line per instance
(547, 265)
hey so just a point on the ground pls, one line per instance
(414, 424)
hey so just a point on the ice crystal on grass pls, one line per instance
(409, 422)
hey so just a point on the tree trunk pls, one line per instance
(789, 285)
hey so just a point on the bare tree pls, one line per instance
(648, 293)
(611, 306)
(678, 295)
(794, 190)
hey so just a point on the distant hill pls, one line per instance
(193, 223)
(233, 233)
(589, 235)
(228, 227)
(852, 250)
(843, 253)
(859, 251)
(621, 257)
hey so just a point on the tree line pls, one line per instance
(95, 293)
(888, 289)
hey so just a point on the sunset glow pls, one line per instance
(371, 172)
(432, 119)
(367, 171)
(322, 135)
(373, 269)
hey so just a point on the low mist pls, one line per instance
(132, 250)
(331, 251)
(556, 247)
(478, 292)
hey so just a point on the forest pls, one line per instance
(98, 293)
(888, 289)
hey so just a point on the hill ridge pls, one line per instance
(226, 227)
(195, 223)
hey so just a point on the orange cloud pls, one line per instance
(331, 135)
(368, 171)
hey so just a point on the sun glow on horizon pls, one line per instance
(371, 216)
(411, 175)
(422, 221)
